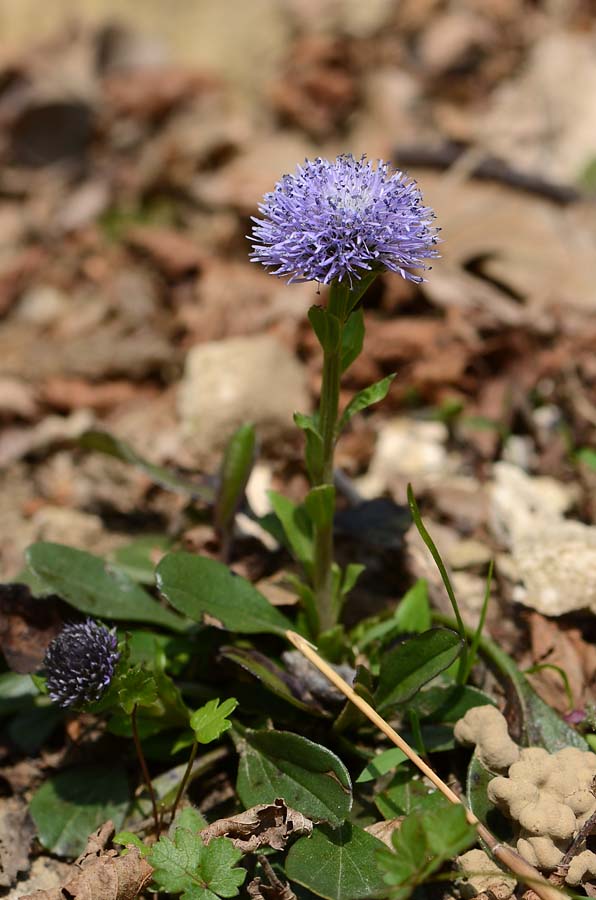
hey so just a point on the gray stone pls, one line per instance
(228, 383)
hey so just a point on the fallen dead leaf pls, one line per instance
(15, 443)
(273, 889)
(150, 92)
(27, 625)
(384, 830)
(16, 836)
(100, 874)
(67, 394)
(558, 645)
(265, 825)
(17, 398)
(173, 253)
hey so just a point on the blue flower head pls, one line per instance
(80, 662)
(336, 221)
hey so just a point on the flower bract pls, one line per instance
(80, 662)
(336, 221)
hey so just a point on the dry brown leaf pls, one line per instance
(17, 398)
(16, 835)
(73, 393)
(173, 253)
(150, 92)
(384, 830)
(529, 260)
(265, 825)
(273, 889)
(27, 626)
(565, 648)
(102, 875)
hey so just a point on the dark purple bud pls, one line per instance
(79, 664)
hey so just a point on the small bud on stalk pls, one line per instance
(80, 662)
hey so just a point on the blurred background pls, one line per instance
(136, 140)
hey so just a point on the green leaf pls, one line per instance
(359, 288)
(162, 706)
(186, 866)
(413, 663)
(16, 691)
(462, 669)
(275, 679)
(103, 442)
(352, 573)
(206, 590)
(238, 460)
(308, 423)
(211, 720)
(136, 687)
(587, 456)
(75, 802)
(422, 843)
(448, 702)
(541, 726)
(191, 819)
(476, 791)
(352, 339)
(139, 558)
(381, 764)
(309, 777)
(338, 865)
(413, 613)
(408, 793)
(314, 444)
(297, 527)
(33, 725)
(96, 587)
(326, 326)
(365, 398)
(128, 838)
(320, 505)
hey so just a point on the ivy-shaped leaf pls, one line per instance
(136, 687)
(186, 866)
(211, 720)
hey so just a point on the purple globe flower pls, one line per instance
(80, 662)
(333, 221)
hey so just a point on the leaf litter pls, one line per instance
(124, 254)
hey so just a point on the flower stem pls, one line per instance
(327, 607)
(184, 782)
(144, 769)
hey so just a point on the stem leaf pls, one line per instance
(352, 339)
(297, 527)
(326, 326)
(365, 398)
(320, 505)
